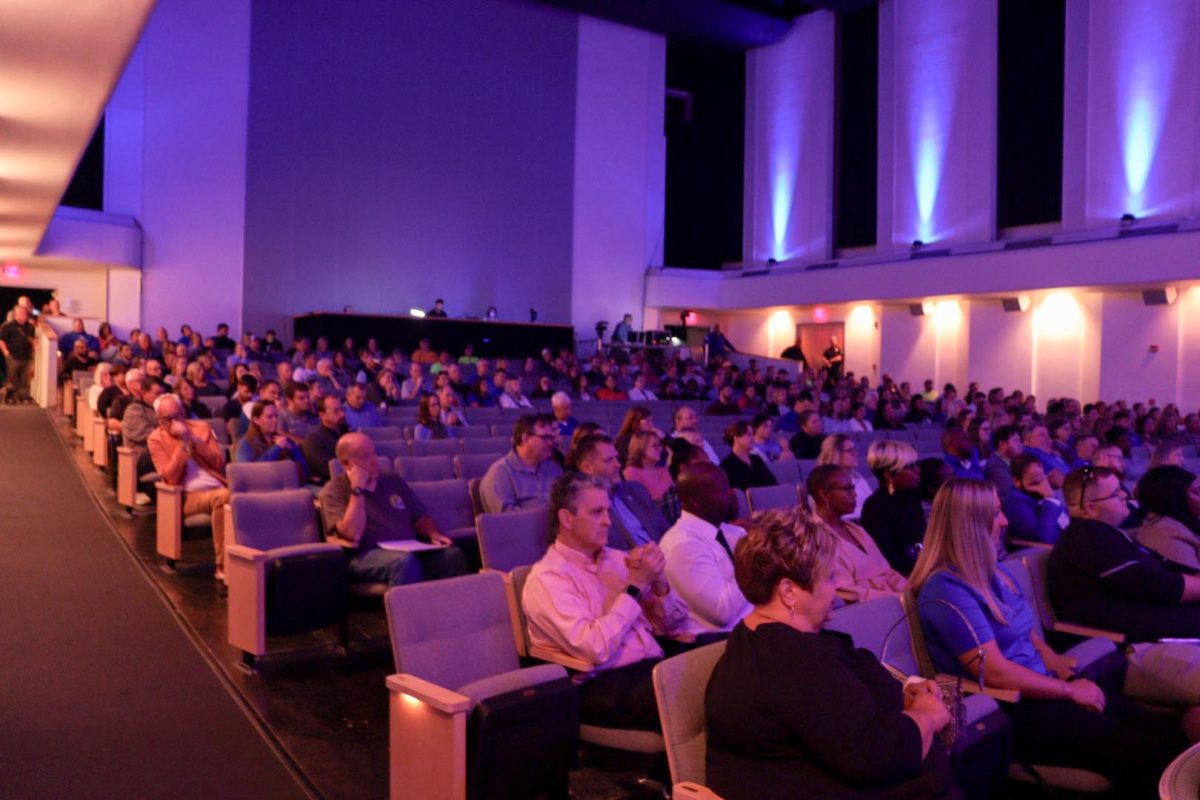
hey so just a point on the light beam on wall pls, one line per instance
(1058, 316)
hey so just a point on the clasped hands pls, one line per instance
(646, 565)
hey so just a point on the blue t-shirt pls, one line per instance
(947, 635)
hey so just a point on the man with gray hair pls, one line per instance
(186, 453)
(560, 407)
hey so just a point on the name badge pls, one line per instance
(397, 502)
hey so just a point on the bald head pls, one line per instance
(704, 491)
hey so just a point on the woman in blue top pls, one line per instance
(968, 604)
(262, 443)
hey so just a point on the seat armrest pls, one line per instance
(1088, 633)
(240, 552)
(971, 686)
(438, 697)
(166, 488)
(693, 791)
(303, 550)
(562, 659)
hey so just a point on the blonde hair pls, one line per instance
(831, 448)
(889, 455)
(959, 540)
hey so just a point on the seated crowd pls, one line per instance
(650, 556)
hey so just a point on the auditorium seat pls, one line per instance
(425, 468)
(765, 498)
(394, 448)
(471, 432)
(498, 445)
(1181, 779)
(258, 476)
(448, 502)
(1034, 562)
(513, 539)
(388, 433)
(679, 684)
(440, 678)
(785, 470)
(743, 505)
(437, 447)
(616, 738)
(474, 465)
(283, 578)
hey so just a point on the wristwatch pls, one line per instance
(633, 592)
(358, 492)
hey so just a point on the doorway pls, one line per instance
(814, 339)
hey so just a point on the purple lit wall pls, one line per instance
(938, 100)
(1141, 107)
(399, 152)
(789, 144)
(620, 171)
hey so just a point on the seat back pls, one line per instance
(392, 449)
(448, 502)
(497, 445)
(425, 468)
(679, 684)
(436, 447)
(513, 539)
(743, 506)
(261, 476)
(219, 428)
(1033, 561)
(471, 432)
(270, 520)
(785, 470)
(387, 433)
(517, 577)
(452, 632)
(880, 626)
(474, 465)
(1181, 779)
(764, 498)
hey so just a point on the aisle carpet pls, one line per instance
(103, 693)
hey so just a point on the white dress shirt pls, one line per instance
(578, 605)
(701, 572)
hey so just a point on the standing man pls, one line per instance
(718, 346)
(623, 333)
(16, 341)
(834, 360)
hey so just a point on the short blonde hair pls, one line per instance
(781, 544)
(888, 455)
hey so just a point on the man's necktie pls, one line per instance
(724, 543)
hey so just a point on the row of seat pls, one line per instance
(439, 678)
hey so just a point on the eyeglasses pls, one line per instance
(1089, 475)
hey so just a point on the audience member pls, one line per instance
(429, 420)
(1099, 576)
(1031, 508)
(560, 409)
(640, 393)
(263, 442)
(1170, 500)
(320, 446)
(766, 445)
(192, 407)
(893, 514)
(187, 454)
(743, 467)
(366, 508)
(699, 551)
(960, 454)
(1037, 442)
(637, 418)
(862, 572)
(1166, 453)
(794, 711)
(512, 398)
(522, 479)
(686, 418)
(972, 613)
(635, 519)
(724, 405)
(360, 412)
(296, 418)
(645, 466)
(601, 605)
(1006, 445)
(840, 450)
(806, 444)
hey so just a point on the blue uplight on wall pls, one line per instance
(783, 192)
(1147, 45)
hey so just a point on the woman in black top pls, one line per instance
(793, 711)
(893, 515)
(745, 469)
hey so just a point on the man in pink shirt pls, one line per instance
(602, 605)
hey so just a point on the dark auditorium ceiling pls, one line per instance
(739, 24)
